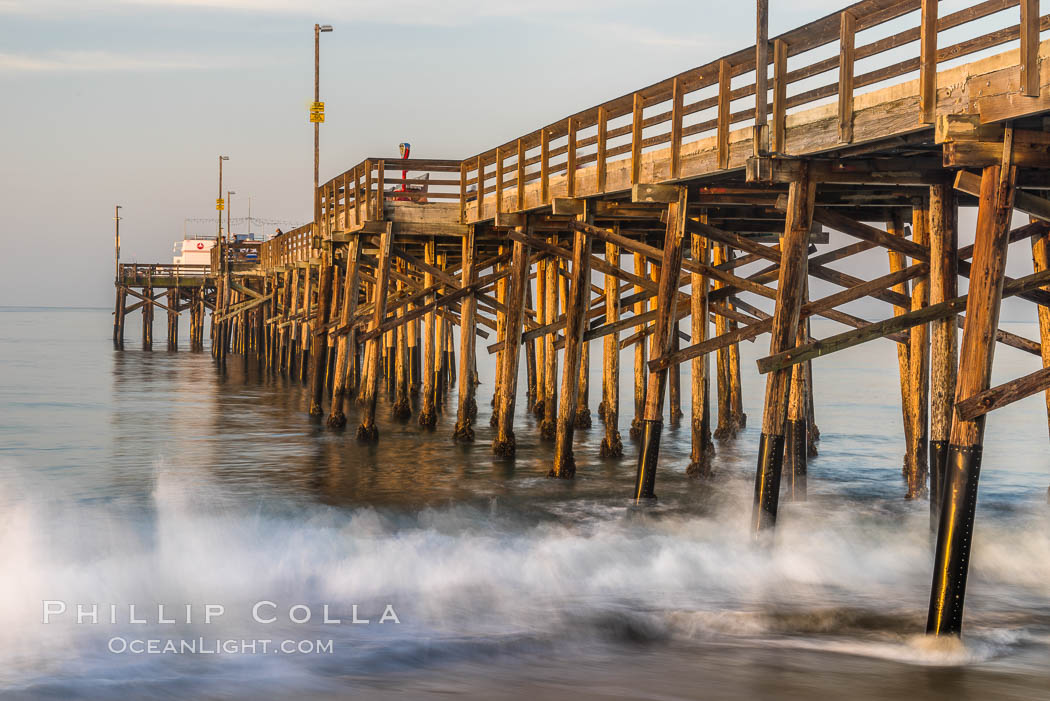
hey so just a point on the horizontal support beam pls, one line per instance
(998, 397)
(842, 341)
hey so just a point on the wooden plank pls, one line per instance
(521, 176)
(928, 62)
(761, 79)
(1029, 152)
(570, 158)
(724, 101)
(568, 205)
(545, 166)
(601, 155)
(463, 193)
(644, 192)
(636, 138)
(1038, 207)
(780, 81)
(479, 200)
(1030, 47)
(847, 46)
(499, 179)
(842, 341)
(676, 129)
(1003, 395)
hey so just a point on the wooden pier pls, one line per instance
(686, 200)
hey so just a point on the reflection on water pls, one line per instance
(151, 478)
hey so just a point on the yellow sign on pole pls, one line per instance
(317, 117)
(317, 107)
(220, 204)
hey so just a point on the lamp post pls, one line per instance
(229, 212)
(116, 234)
(318, 28)
(218, 206)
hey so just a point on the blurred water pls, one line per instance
(150, 478)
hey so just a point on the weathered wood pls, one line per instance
(467, 407)
(833, 344)
(761, 134)
(428, 408)
(1041, 262)
(955, 530)
(862, 289)
(898, 261)
(997, 397)
(640, 267)
(345, 344)
(670, 270)
(636, 139)
(402, 408)
(550, 394)
(928, 61)
(368, 431)
(790, 287)
(612, 444)
(1030, 47)
(702, 449)
(944, 345)
(318, 347)
(919, 366)
(780, 81)
(727, 426)
(847, 42)
(724, 99)
(504, 442)
(576, 304)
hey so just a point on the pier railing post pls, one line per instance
(959, 495)
(790, 287)
(667, 293)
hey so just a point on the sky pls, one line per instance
(131, 102)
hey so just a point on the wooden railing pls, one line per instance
(702, 103)
(359, 194)
(288, 248)
(137, 273)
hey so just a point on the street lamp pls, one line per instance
(116, 219)
(318, 28)
(219, 207)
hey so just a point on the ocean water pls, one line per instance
(151, 478)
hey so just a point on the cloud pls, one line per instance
(92, 62)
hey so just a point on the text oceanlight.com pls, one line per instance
(217, 646)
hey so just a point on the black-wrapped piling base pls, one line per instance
(648, 456)
(767, 482)
(954, 535)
